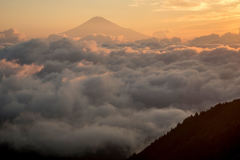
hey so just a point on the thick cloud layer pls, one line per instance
(70, 97)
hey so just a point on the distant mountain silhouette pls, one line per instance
(101, 26)
(212, 135)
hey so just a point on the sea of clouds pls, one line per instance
(75, 97)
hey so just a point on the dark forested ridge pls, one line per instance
(210, 135)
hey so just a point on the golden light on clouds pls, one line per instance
(183, 18)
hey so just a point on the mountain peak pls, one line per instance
(99, 21)
(101, 26)
(98, 18)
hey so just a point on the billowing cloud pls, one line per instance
(9, 37)
(69, 97)
(11, 67)
(214, 40)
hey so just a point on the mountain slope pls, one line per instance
(212, 135)
(101, 26)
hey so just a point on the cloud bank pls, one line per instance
(66, 97)
(214, 40)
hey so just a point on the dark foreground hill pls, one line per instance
(211, 135)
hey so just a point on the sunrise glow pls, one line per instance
(184, 18)
(120, 79)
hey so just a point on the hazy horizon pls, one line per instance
(184, 18)
(158, 34)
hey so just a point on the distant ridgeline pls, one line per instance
(210, 135)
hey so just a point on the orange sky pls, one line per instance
(183, 18)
